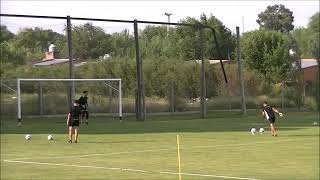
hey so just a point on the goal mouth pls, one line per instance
(70, 93)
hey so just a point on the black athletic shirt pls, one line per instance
(75, 113)
(83, 100)
(268, 112)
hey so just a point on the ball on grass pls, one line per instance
(28, 136)
(253, 131)
(50, 137)
(261, 130)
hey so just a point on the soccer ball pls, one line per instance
(261, 130)
(28, 136)
(50, 137)
(253, 131)
(315, 123)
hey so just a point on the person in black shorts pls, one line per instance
(268, 113)
(83, 100)
(73, 121)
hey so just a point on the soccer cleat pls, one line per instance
(75, 141)
(87, 123)
(70, 141)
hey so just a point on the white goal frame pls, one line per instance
(19, 80)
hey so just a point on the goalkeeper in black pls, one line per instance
(83, 101)
(73, 121)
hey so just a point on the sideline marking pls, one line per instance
(132, 170)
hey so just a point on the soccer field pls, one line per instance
(219, 147)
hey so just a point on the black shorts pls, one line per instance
(74, 123)
(272, 120)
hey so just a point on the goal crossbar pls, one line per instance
(65, 80)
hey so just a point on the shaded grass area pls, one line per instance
(219, 146)
(216, 122)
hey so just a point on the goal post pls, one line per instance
(20, 80)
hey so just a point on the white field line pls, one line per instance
(154, 150)
(132, 170)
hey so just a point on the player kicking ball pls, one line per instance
(268, 113)
(73, 121)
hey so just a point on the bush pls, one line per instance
(311, 103)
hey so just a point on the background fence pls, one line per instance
(171, 72)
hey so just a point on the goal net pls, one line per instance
(54, 96)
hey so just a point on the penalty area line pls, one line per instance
(131, 170)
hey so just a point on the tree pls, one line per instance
(89, 41)
(122, 44)
(302, 37)
(314, 28)
(308, 38)
(188, 38)
(276, 18)
(267, 54)
(5, 34)
(36, 41)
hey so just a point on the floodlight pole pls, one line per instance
(168, 26)
(243, 100)
(203, 78)
(71, 68)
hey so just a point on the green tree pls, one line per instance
(188, 38)
(122, 44)
(5, 34)
(267, 54)
(36, 41)
(276, 18)
(314, 28)
(90, 41)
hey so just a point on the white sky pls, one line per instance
(229, 12)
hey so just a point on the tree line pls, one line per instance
(166, 54)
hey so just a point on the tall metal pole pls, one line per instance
(71, 67)
(243, 101)
(168, 14)
(138, 66)
(203, 78)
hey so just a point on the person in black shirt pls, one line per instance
(73, 121)
(83, 100)
(268, 113)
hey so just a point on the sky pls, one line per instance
(232, 13)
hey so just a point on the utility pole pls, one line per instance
(243, 101)
(172, 108)
(168, 14)
(71, 68)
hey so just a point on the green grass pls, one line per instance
(220, 145)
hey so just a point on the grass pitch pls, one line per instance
(219, 147)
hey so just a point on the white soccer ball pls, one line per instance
(28, 136)
(315, 123)
(50, 137)
(261, 130)
(253, 131)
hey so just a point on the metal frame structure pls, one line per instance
(140, 103)
(19, 80)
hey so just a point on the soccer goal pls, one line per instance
(51, 96)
